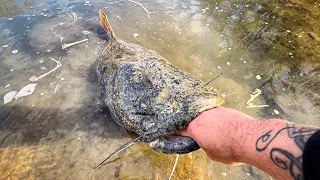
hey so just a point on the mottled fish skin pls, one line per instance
(148, 95)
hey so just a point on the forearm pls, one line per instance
(274, 146)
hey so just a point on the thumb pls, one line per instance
(183, 132)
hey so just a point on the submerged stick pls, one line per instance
(70, 16)
(135, 35)
(55, 89)
(255, 94)
(174, 167)
(66, 45)
(257, 106)
(145, 9)
(118, 150)
(119, 18)
(73, 16)
(34, 79)
(230, 94)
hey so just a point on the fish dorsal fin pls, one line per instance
(105, 24)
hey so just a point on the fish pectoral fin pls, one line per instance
(105, 24)
(119, 150)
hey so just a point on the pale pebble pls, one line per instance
(26, 91)
(15, 51)
(32, 78)
(9, 97)
(258, 77)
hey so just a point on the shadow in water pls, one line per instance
(46, 121)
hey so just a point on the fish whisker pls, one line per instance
(118, 150)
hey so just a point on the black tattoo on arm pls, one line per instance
(283, 158)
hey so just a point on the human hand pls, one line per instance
(219, 132)
(232, 137)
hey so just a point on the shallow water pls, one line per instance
(62, 129)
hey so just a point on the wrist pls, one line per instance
(243, 138)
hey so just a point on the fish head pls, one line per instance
(174, 111)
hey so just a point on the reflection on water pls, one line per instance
(62, 129)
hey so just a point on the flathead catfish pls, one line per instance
(148, 95)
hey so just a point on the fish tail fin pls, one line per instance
(105, 24)
(118, 150)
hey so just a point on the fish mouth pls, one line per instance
(174, 144)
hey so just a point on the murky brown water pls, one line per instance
(62, 129)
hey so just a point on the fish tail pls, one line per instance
(105, 24)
